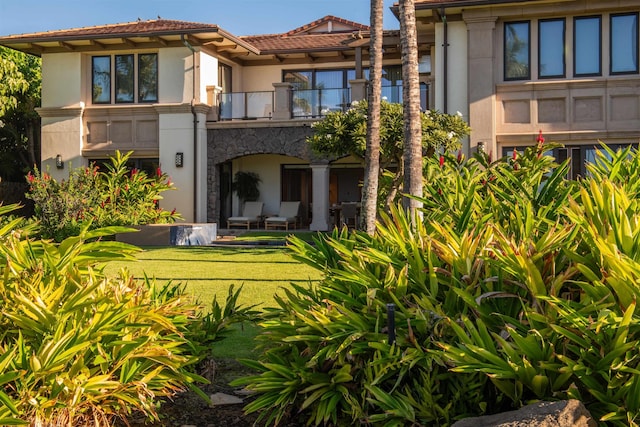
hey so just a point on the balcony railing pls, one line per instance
(246, 105)
(312, 103)
(318, 102)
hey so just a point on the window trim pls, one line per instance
(564, 52)
(611, 17)
(504, 51)
(599, 72)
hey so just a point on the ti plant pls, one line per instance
(78, 347)
(518, 285)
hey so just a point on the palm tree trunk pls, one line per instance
(372, 153)
(411, 105)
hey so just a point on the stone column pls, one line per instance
(282, 109)
(320, 179)
(481, 82)
(358, 89)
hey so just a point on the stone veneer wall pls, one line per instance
(226, 143)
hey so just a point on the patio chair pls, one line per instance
(288, 214)
(349, 214)
(251, 214)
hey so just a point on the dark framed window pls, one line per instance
(517, 50)
(587, 46)
(148, 77)
(101, 79)
(124, 79)
(551, 41)
(624, 43)
(225, 77)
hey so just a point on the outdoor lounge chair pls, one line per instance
(251, 214)
(349, 214)
(288, 215)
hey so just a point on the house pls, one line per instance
(568, 68)
(204, 104)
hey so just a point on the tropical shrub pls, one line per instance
(78, 347)
(112, 197)
(518, 285)
(341, 134)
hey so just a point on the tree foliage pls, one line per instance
(20, 86)
(341, 134)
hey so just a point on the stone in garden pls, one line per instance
(566, 413)
(219, 399)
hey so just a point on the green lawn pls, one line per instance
(209, 271)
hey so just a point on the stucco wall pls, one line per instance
(208, 74)
(61, 79)
(174, 75)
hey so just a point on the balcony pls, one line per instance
(287, 103)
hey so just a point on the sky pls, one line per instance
(239, 17)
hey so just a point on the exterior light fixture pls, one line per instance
(59, 162)
(179, 160)
(480, 147)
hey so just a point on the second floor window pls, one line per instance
(624, 43)
(551, 36)
(516, 51)
(124, 78)
(587, 46)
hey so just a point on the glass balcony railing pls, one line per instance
(318, 102)
(312, 103)
(246, 105)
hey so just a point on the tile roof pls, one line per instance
(127, 29)
(328, 18)
(305, 39)
(434, 3)
(280, 43)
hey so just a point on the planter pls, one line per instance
(196, 234)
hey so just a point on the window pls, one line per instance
(551, 39)
(148, 77)
(101, 79)
(516, 51)
(624, 43)
(124, 78)
(224, 77)
(128, 78)
(587, 46)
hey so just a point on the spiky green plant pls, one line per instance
(78, 347)
(519, 285)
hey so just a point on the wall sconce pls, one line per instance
(480, 147)
(179, 160)
(59, 162)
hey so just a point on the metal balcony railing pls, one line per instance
(246, 105)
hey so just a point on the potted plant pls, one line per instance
(245, 185)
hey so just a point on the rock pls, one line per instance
(218, 399)
(566, 413)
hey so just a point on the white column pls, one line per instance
(320, 179)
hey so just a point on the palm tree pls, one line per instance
(411, 104)
(372, 153)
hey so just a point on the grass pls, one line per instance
(209, 271)
(275, 236)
